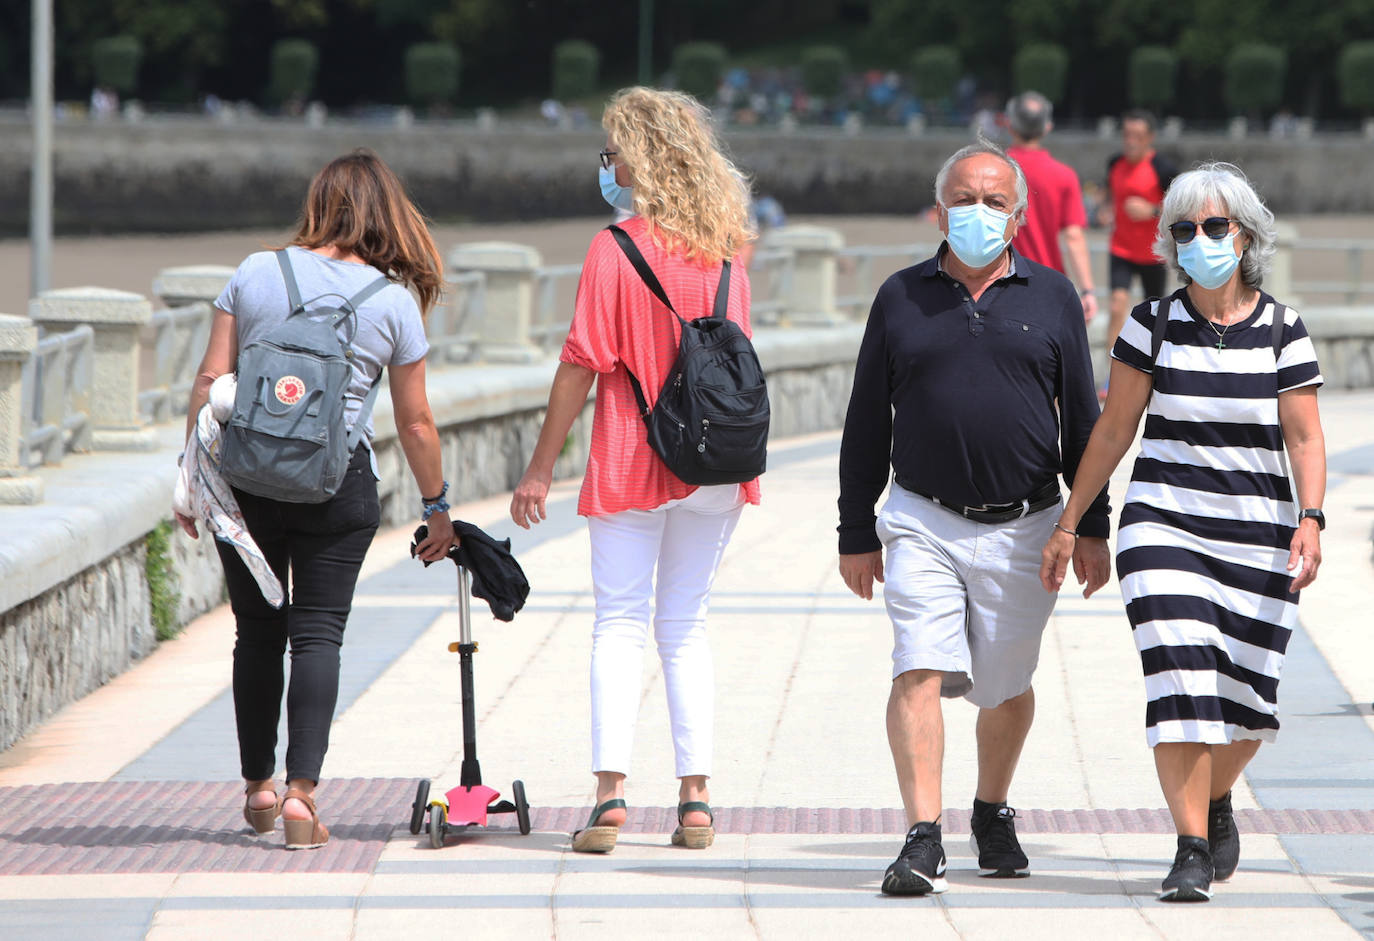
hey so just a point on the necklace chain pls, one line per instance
(1221, 334)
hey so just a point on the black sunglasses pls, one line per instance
(606, 161)
(1215, 228)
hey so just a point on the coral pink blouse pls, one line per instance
(618, 323)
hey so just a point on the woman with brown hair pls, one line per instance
(357, 225)
(662, 163)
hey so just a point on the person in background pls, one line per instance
(1055, 208)
(1137, 178)
(1217, 537)
(357, 224)
(652, 536)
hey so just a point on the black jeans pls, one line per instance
(322, 545)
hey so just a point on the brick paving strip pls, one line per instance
(192, 826)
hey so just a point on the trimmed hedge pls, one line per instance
(698, 67)
(935, 71)
(823, 69)
(576, 63)
(431, 70)
(115, 61)
(294, 64)
(1042, 67)
(1152, 73)
(1356, 70)
(1254, 77)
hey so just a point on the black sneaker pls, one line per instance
(1223, 838)
(994, 842)
(920, 867)
(1190, 880)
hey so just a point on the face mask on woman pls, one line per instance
(1207, 261)
(620, 197)
(976, 233)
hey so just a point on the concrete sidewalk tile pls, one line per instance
(1233, 923)
(1055, 922)
(214, 920)
(497, 924)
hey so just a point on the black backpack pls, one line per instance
(1161, 326)
(710, 423)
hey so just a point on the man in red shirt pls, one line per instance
(1056, 200)
(1137, 178)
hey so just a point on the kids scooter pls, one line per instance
(468, 804)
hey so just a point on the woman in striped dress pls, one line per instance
(1216, 537)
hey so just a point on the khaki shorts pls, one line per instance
(965, 597)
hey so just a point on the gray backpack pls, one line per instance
(286, 438)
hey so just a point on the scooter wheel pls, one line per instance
(522, 806)
(438, 824)
(417, 809)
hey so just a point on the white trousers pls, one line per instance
(685, 539)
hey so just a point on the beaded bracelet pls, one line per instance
(1064, 529)
(438, 506)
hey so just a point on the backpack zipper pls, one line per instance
(701, 445)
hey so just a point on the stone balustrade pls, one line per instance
(18, 338)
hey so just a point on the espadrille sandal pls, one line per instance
(694, 838)
(304, 834)
(263, 820)
(598, 839)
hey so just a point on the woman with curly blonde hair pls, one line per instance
(662, 163)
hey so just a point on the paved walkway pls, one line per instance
(119, 818)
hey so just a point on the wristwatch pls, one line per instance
(1317, 515)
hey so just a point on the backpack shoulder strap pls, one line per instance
(646, 274)
(722, 291)
(1162, 308)
(293, 292)
(355, 433)
(357, 300)
(1276, 331)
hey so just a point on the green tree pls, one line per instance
(115, 61)
(1254, 78)
(698, 66)
(1356, 71)
(935, 72)
(823, 70)
(294, 64)
(1152, 77)
(432, 73)
(1042, 67)
(575, 66)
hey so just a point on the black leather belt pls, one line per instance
(1042, 499)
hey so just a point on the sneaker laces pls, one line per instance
(998, 832)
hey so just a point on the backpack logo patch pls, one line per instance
(289, 390)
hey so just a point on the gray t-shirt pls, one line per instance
(390, 331)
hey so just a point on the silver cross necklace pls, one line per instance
(1221, 334)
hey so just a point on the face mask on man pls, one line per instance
(1209, 262)
(620, 197)
(976, 233)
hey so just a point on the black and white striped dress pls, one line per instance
(1204, 536)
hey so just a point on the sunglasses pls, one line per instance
(1215, 228)
(606, 161)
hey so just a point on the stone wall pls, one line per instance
(71, 639)
(191, 175)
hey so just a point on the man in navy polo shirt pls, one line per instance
(973, 381)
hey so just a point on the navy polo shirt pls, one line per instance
(974, 402)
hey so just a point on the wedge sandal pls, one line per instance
(694, 838)
(263, 820)
(598, 839)
(304, 834)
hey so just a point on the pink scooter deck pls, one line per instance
(467, 806)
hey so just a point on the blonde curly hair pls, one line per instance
(692, 196)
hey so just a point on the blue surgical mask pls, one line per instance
(621, 197)
(1207, 261)
(977, 233)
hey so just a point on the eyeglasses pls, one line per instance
(606, 161)
(1215, 228)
